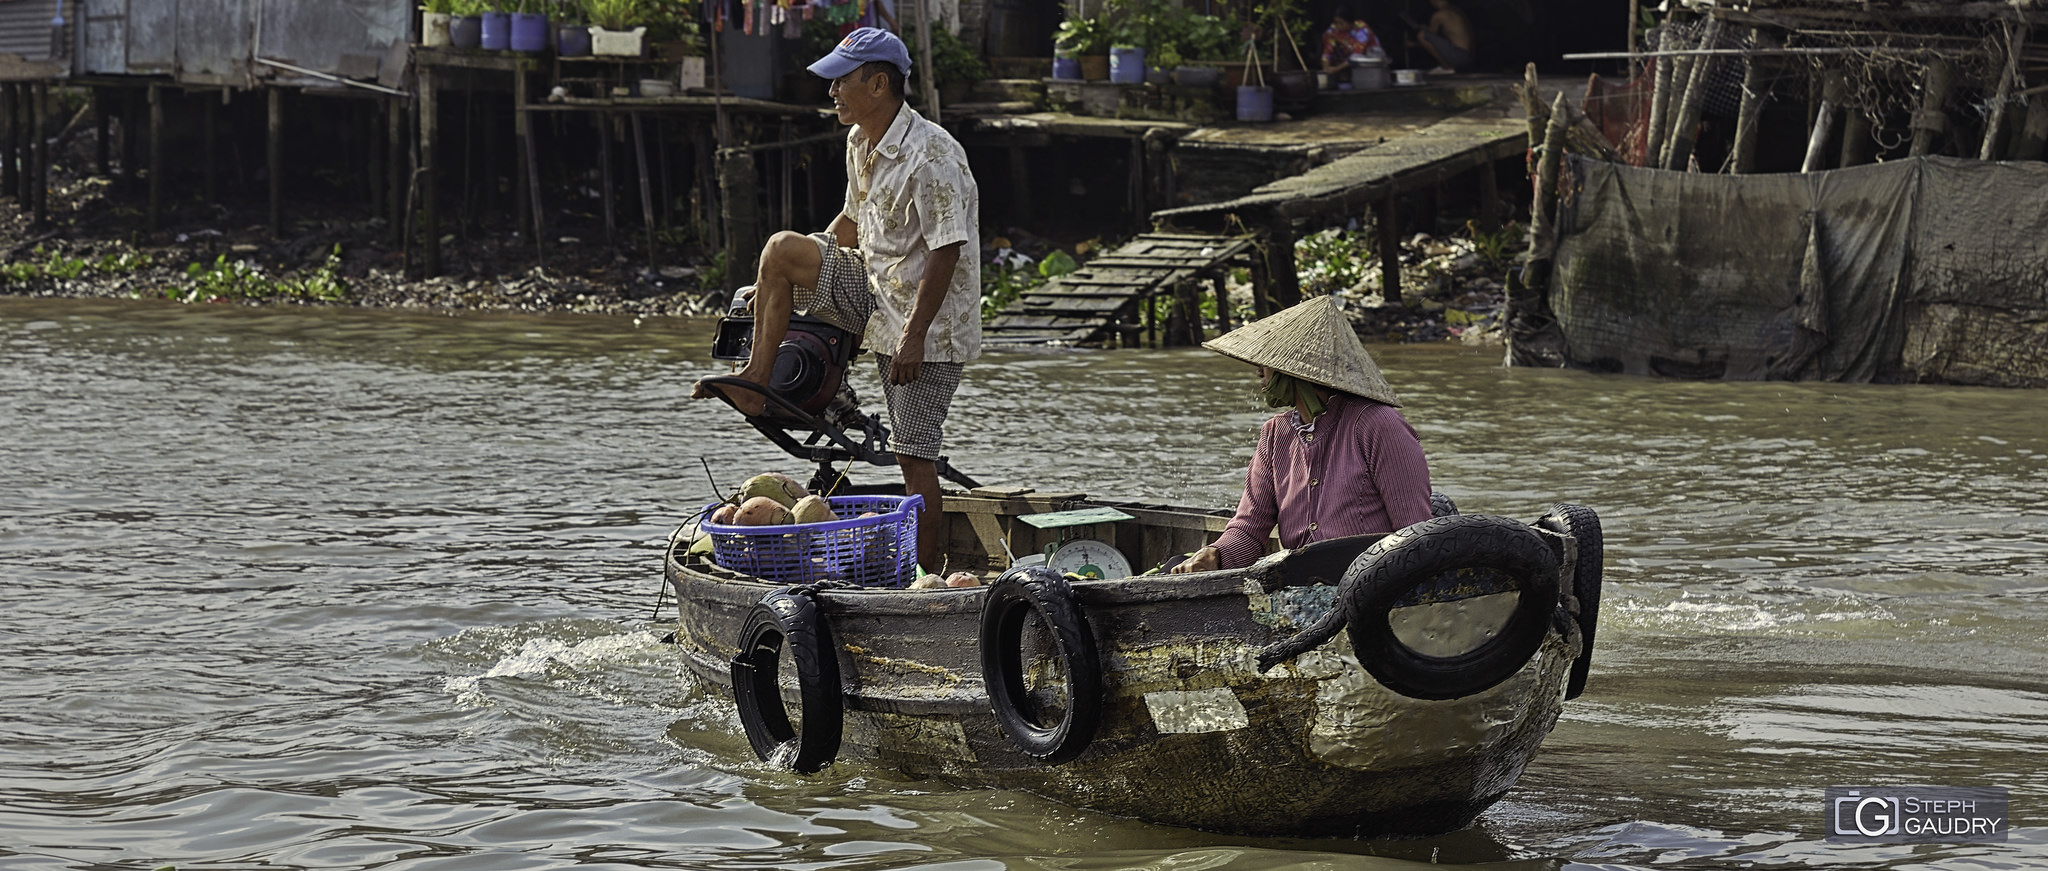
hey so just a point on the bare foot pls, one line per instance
(746, 401)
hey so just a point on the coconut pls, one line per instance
(724, 514)
(762, 511)
(963, 579)
(774, 485)
(928, 582)
(813, 509)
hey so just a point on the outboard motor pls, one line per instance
(809, 365)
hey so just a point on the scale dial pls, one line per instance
(1090, 559)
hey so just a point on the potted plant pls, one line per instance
(674, 35)
(955, 67)
(497, 34)
(465, 23)
(529, 26)
(1127, 26)
(1085, 40)
(615, 28)
(434, 15)
(572, 38)
(1205, 42)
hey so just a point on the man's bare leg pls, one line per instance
(921, 478)
(789, 259)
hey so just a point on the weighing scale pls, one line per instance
(1084, 557)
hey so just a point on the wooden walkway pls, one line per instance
(1109, 297)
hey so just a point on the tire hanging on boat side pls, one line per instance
(1018, 594)
(1583, 524)
(1391, 569)
(788, 618)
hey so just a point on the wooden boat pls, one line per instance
(1232, 701)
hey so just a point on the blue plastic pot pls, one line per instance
(1127, 66)
(497, 34)
(1254, 103)
(465, 31)
(574, 41)
(1066, 68)
(529, 32)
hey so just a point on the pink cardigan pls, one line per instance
(1360, 469)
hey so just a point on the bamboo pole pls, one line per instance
(39, 181)
(10, 149)
(1686, 129)
(156, 158)
(1823, 123)
(2015, 42)
(1660, 105)
(1929, 121)
(276, 145)
(1857, 144)
(1749, 115)
(930, 78)
(1388, 227)
(1543, 216)
(1681, 78)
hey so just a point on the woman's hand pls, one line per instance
(1204, 560)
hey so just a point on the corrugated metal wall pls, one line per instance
(25, 27)
(214, 40)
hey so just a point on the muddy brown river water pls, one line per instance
(309, 588)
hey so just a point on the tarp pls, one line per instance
(1928, 269)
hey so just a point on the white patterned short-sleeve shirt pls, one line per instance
(909, 195)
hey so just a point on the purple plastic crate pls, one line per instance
(878, 551)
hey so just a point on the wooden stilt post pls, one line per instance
(134, 117)
(1856, 142)
(1020, 184)
(1749, 114)
(1220, 281)
(604, 164)
(530, 158)
(103, 127)
(1824, 123)
(1285, 276)
(1489, 196)
(395, 166)
(1685, 127)
(646, 189)
(666, 211)
(1929, 121)
(1387, 229)
(276, 145)
(156, 157)
(209, 155)
(429, 172)
(40, 181)
(522, 120)
(10, 149)
(2033, 140)
(742, 216)
(373, 148)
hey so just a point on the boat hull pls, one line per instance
(1191, 732)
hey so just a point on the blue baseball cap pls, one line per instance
(861, 46)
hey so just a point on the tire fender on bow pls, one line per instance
(788, 618)
(1017, 595)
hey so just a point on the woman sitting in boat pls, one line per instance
(1340, 461)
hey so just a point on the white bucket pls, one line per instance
(1407, 78)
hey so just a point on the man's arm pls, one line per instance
(931, 293)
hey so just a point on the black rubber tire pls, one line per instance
(1441, 505)
(1388, 571)
(1581, 523)
(1017, 594)
(791, 619)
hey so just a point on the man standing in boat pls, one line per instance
(900, 264)
(1340, 461)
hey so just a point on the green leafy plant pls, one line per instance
(1078, 36)
(953, 62)
(613, 14)
(462, 8)
(438, 7)
(1333, 260)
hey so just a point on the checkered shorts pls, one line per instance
(917, 411)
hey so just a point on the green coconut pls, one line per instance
(813, 509)
(774, 485)
(762, 511)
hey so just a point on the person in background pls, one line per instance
(1340, 460)
(1347, 36)
(1448, 38)
(900, 264)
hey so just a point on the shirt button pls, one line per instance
(1309, 438)
(1312, 482)
(1311, 527)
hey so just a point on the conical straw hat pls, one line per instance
(1312, 341)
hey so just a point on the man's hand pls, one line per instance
(909, 358)
(1205, 560)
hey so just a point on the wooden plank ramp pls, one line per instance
(1107, 298)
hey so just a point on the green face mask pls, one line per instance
(1285, 391)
